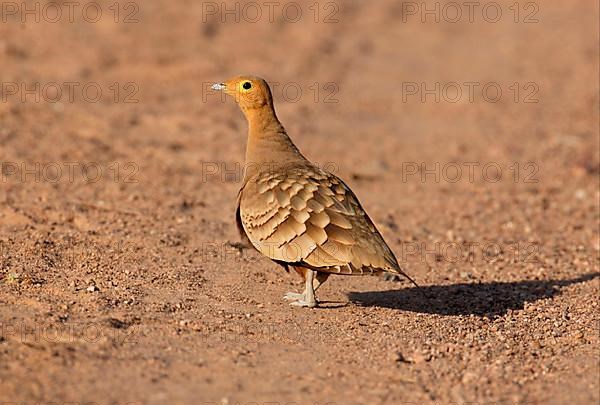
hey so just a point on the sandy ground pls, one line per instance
(121, 274)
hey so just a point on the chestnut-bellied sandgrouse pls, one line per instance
(295, 213)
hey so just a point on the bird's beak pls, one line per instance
(218, 86)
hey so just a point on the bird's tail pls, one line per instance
(409, 278)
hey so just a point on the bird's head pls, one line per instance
(250, 92)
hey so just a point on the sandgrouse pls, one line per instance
(295, 213)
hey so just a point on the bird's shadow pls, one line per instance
(482, 299)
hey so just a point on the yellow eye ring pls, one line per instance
(245, 86)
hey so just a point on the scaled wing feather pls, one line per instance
(308, 217)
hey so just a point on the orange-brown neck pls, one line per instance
(269, 146)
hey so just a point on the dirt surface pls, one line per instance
(121, 274)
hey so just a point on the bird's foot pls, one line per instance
(299, 300)
(292, 296)
(304, 303)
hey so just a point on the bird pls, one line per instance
(294, 212)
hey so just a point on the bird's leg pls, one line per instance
(293, 296)
(309, 291)
(320, 278)
(318, 281)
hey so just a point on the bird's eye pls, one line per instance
(247, 85)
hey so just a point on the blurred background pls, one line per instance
(468, 130)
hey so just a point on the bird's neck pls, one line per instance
(269, 145)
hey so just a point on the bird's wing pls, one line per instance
(306, 216)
